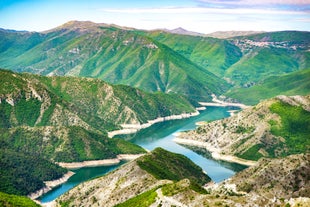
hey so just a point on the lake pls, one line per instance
(161, 135)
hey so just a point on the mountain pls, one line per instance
(214, 55)
(231, 34)
(183, 31)
(113, 54)
(274, 128)
(279, 181)
(295, 83)
(65, 119)
(194, 66)
(246, 60)
(147, 177)
(91, 103)
(276, 181)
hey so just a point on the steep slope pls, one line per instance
(246, 60)
(16, 201)
(92, 104)
(63, 119)
(22, 173)
(134, 179)
(269, 54)
(274, 128)
(212, 54)
(113, 54)
(295, 83)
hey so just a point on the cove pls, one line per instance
(160, 135)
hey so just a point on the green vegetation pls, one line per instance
(291, 131)
(143, 200)
(22, 173)
(295, 83)
(294, 127)
(166, 165)
(267, 62)
(252, 153)
(214, 55)
(181, 186)
(67, 144)
(7, 200)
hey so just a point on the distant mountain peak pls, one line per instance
(181, 30)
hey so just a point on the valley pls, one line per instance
(127, 101)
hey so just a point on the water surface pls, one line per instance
(161, 135)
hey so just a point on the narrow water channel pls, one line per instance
(160, 135)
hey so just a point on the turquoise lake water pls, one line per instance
(160, 135)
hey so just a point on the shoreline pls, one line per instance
(217, 102)
(50, 185)
(133, 128)
(76, 165)
(95, 163)
(215, 153)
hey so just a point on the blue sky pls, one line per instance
(203, 16)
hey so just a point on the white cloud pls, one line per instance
(258, 2)
(195, 10)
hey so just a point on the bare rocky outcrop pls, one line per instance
(116, 187)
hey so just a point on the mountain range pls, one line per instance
(63, 90)
(194, 66)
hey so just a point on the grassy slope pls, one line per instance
(296, 83)
(166, 165)
(212, 54)
(262, 63)
(293, 127)
(111, 54)
(66, 144)
(7, 200)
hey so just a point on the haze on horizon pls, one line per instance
(204, 16)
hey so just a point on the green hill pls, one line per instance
(7, 200)
(193, 66)
(295, 83)
(214, 55)
(112, 54)
(93, 104)
(246, 60)
(276, 127)
(139, 182)
(64, 119)
(22, 173)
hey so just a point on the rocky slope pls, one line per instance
(92, 104)
(271, 182)
(147, 174)
(63, 119)
(273, 128)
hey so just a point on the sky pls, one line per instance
(204, 16)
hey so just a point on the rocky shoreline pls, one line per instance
(214, 151)
(133, 128)
(217, 102)
(50, 185)
(104, 162)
